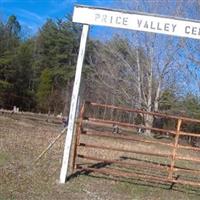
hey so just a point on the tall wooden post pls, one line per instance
(73, 106)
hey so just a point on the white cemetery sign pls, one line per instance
(137, 21)
(118, 19)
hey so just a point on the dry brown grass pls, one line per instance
(23, 139)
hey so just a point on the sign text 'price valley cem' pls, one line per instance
(137, 21)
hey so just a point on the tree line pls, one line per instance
(36, 74)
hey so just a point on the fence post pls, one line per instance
(175, 148)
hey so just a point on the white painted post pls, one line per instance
(73, 106)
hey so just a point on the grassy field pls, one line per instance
(22, 139)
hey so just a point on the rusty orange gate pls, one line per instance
(113, 140)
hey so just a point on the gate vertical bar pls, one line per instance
(175, 149)
(78, 133)
(74, 99)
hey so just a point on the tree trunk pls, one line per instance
(148, 119)
(67, 100)
(139, 87)
(157, 97)
(148, 122)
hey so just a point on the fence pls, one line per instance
(127, 153)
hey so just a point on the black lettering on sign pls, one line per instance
(125, 21)
(158, 27)
(187, 29)
(118, 20)
(166, 27)
(146, 25)
(111, 19)
(97, 17)
(104, 18)
(173, 27)
(194, 30)
(152, 27)
(139, 21)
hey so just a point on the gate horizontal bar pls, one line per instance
(146, 165)
(187, 159)
(140, 176)
(131, 125)
(124, 150)
(144, 112)
(129, 138)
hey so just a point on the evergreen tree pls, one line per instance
(9, 41)
(56, 52)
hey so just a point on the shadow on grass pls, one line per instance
(186, 174)
(80, 172)
(147, 183)
(137, 181)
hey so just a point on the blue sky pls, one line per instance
(32, 14)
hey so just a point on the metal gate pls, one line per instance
(112, 140)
